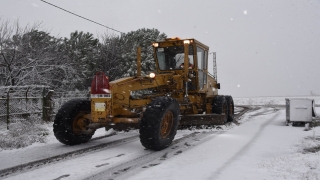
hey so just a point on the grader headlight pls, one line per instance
(186, 41)
(155, 44)
(152, 75)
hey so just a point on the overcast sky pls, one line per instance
(264, 47)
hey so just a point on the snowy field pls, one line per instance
(270, 100)
(262, 147)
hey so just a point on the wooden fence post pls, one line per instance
(47, 107)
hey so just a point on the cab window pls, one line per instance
(172, 58)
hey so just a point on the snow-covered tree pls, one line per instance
(11, 59)
(110, 56)
(118, 54)
(28, 55)
(143, 38)
(81, 53)
(43, 50)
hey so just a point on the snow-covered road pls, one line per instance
(262, 147)
(214, 156)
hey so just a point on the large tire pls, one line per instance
(230, 104)
(159, 123)
(70, 126)
(219, 106)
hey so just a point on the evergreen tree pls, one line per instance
(82, 54)
(118, 54)
(110, 56)
(143, 38)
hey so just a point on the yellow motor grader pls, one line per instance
(180, 93)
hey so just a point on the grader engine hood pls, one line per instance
(127, 90)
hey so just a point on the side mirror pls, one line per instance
(218, 85)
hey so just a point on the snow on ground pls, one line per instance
(277, 152)
(51, 147)
(262, 147)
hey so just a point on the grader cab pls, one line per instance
(180, 93)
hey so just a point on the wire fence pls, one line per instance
(19, 103)
(59, 98)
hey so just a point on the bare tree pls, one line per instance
(8, 49)
(30, 56)
(18, 65)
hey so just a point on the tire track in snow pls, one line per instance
(144, 160)
(154, 158)
(246, 147)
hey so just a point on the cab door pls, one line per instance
(202, 56)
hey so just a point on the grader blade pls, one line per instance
(202, 119)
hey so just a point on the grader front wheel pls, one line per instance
(80, 123)
(166, 124)
(159, 123)
(71, 123)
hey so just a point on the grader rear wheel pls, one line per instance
(220, 106)
(159, 123)
(230, 105)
